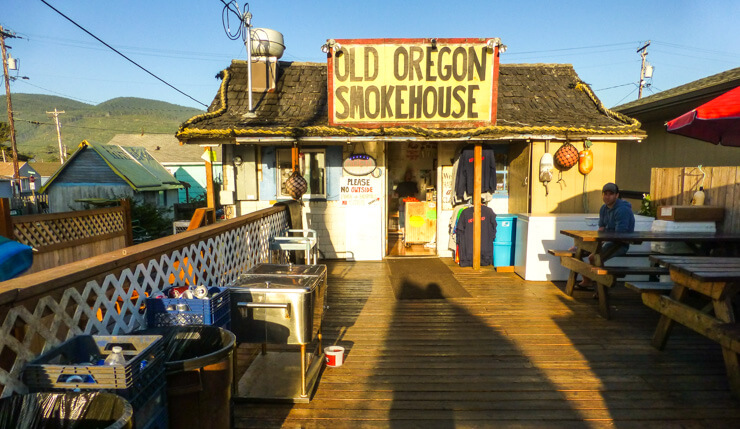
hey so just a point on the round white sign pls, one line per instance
(359, 164)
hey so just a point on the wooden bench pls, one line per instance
(604, 277)
(609, 274)
(626, 271)
(726, 334)
(649, 287)
(561, 253)
(715, 278)
(729, 334)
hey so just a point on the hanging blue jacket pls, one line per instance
(465, 177)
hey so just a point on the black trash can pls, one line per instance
(200, 372)
(76, 410)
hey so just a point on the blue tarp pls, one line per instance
(15, 258)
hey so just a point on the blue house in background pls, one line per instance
(28, 185)
(182, 161)
(95, 172)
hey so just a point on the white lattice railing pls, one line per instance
(105, 294)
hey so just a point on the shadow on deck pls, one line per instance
(515, 353)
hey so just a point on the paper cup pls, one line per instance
(334, 356)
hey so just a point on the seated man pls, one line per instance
(615, 215)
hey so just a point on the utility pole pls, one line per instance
(643, 53)
(62, 149)
(16, 173)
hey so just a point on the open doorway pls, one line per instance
(412, 199)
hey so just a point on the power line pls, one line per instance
(696, 49)
(696, 56)
(60, 94)
(162, 53)
(124, 56)
(572, 49)
(93, 128)
(620, 101)
(615, 86)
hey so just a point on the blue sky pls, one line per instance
(185, 44)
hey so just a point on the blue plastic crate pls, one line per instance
(224, 321)
(182, 311)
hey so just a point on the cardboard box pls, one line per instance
(691, 213)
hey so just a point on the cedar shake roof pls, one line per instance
(546, 95)
(532, 99)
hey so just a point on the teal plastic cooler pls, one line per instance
(503, 245)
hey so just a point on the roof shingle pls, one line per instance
(539, 96)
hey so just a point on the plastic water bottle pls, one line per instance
(116, 358)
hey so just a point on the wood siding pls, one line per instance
(567, 196)
(62, 198)
(55, 258)
(62, 238)
(676, 186)
(661, 150)
(89, 167)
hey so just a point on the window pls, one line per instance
(502, 173)
(312, 166)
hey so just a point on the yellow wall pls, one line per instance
(661, 149)
(567, 196)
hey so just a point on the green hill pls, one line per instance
(36, 133)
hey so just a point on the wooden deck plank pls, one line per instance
(514, 353)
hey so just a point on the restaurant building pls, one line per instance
(385, 112)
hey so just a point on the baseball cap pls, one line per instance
(610, 187)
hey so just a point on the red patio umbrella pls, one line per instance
(716, 121)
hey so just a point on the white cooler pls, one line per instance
(669, 225)
(535, 233)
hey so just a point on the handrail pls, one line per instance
(105, 294)
(19, 290)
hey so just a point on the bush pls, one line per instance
(150, 221)
(647, 208)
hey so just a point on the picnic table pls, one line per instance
(591, 241)
(716, 278)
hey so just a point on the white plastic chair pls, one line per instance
(308, 242)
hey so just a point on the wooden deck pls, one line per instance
(516, 353)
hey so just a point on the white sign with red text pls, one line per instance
(364, 190)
